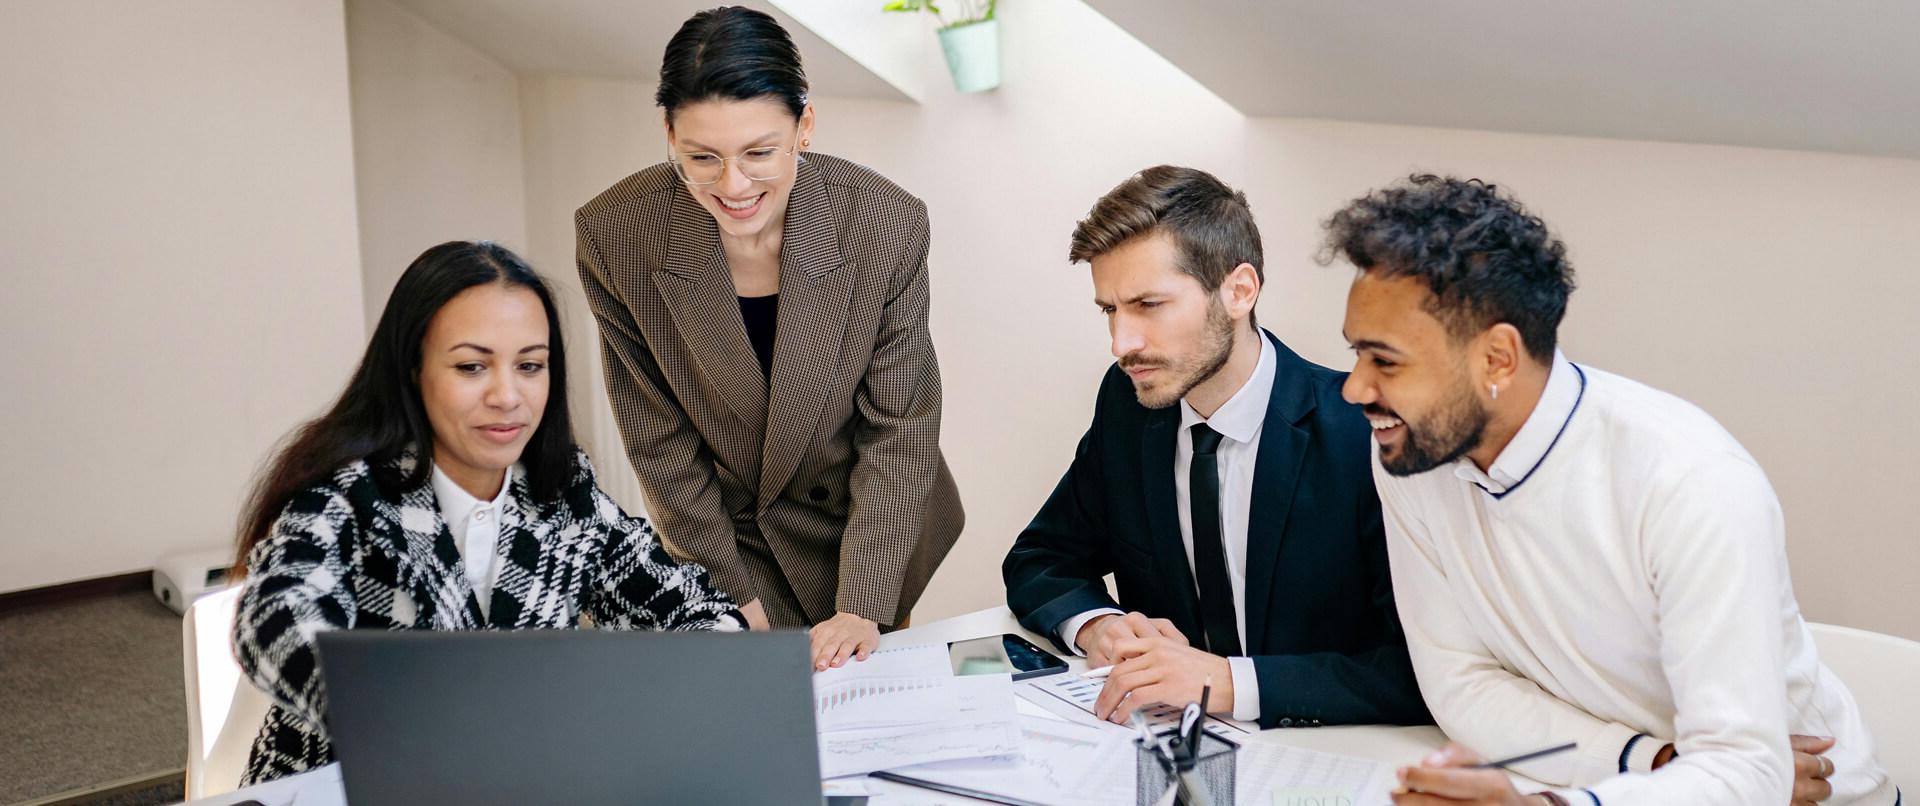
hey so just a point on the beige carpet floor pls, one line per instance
(90, 693)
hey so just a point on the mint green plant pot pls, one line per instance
(973, 55)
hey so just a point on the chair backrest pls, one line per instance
(224, 710)
(1879, 670)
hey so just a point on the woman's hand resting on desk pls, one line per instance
(843, 636)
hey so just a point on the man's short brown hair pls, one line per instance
(1211, 225)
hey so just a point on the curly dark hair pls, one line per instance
(1484, 257)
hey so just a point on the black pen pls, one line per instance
(1199, 723)
(1507, 762)
(951, 789)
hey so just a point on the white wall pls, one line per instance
(437, 152)
(182, 282)
(1769, 287)
(583, 135)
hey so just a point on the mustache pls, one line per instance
(1380, 411)
(1133, 360)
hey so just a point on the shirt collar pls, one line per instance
(456, 501)
(1536, 436)
(1239, 419)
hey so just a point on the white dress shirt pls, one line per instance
(1618, 578)
(1238, 421)
(476, 528)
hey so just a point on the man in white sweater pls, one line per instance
(1576, 557)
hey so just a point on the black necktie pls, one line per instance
(1209, 555)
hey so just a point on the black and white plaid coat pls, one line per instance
(349, 554)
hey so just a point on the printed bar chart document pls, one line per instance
(899, 707)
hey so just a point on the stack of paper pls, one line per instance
(904, 706)
(1059, 762)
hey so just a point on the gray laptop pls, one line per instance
(561, 716)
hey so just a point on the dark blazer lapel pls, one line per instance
(1158, 442)
(706, 310)
(814, 297)
(1276, 472)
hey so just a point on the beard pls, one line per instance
(1190, 370)
(1454, 428)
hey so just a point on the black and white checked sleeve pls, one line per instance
(298, 583)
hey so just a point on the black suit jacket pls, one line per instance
(1321, 626)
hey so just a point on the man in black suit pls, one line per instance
(1224, 483)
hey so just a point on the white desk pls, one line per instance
(1394, 745)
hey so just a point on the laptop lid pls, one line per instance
(576, 716)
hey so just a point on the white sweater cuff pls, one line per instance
(1639, 753)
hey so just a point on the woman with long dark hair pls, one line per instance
(442, 491)
(763, 314)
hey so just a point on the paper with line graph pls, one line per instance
(903, 686)
(982, 723)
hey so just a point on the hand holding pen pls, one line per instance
(1455, 774)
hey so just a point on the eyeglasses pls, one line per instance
(757, 164)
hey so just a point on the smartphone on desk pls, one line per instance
(1003, 654)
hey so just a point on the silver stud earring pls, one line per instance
(1495, 388)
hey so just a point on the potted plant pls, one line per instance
(970, 37)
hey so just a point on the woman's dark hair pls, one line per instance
(732, 53)
(381, 413)
(1485, 258)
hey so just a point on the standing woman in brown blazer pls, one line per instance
(763, 322)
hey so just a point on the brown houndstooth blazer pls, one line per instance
(826, 492)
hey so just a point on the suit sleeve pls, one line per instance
(1373, 686)
(640, 587)
(1057, 567)
(298, 584)
(673, 462)
(897, 442)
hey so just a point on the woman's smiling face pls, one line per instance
(757, 136)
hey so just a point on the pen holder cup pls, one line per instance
(1212, 772)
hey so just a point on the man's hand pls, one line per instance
(1810, 769)
(843, 636)
(1157, 669)
(1098, 636)
(1442, 778)
(755, 614)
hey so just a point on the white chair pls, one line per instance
(1880, 670)
(224, 710)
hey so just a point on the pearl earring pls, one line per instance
(1495, 388)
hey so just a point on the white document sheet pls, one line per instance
(892, 687)
(1276, 773)
(982, 723)
(1059, 762)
